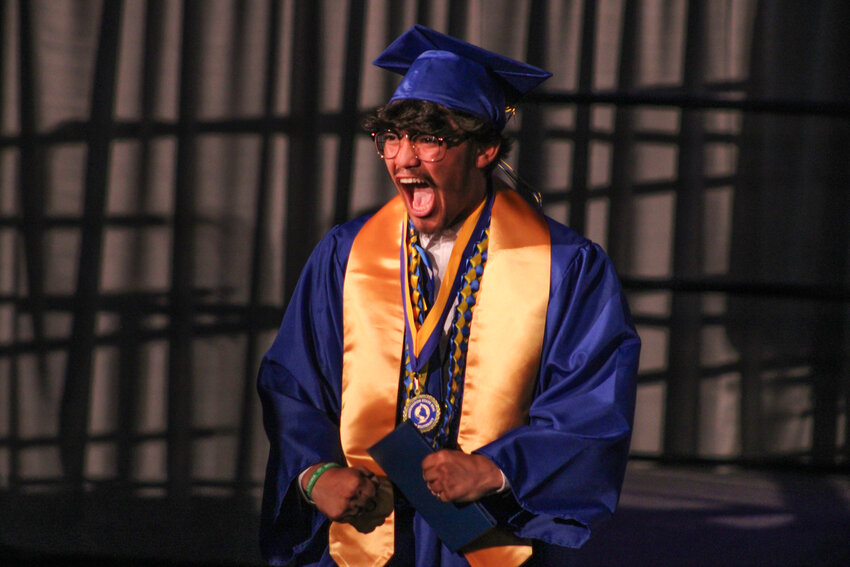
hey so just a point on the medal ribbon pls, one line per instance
(421, 297)
(422, 341)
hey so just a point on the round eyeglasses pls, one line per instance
(426, 147)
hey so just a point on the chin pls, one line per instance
(426, 226)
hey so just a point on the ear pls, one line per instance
(486, 155)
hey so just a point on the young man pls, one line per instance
(501, 334)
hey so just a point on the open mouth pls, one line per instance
(419, 195)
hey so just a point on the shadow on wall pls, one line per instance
(790, 228)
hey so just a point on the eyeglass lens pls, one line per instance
(425, 146)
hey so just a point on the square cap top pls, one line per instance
(458, 75)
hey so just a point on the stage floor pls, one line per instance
(725, 516)
(668, 516)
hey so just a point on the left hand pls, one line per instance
(374, 514)
(455, 476)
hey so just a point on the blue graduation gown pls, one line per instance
(565, 466)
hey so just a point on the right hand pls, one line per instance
(350, 495)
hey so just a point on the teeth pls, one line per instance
(411, 181)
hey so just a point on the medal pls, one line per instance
(424, 411)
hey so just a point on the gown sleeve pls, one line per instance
(566, 466)
(299, 386)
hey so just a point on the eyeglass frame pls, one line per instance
(442, 142)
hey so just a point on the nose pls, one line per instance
(406, 156)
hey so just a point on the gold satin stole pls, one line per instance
(505, 343)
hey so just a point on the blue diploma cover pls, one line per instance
(400, 454)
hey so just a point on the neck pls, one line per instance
(481, 193)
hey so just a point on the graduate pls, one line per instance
(500, 334)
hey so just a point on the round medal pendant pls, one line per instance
(424, 411)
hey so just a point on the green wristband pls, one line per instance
(319, 472)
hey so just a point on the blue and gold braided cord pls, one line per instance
(466, 297)
(418, 295)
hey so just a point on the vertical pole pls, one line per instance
(681, 431)
(349, 125)
(581, 141)
(303, 159)
(620, 212)
(181, 300)
(533, 131)
(249, 397)
(74, 412)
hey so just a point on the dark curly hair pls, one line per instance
(413, 115)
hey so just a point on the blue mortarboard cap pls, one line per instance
(457, 75)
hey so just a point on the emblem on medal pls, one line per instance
(424, 411)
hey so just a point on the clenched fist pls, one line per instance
(455, 476)
(352, 495)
